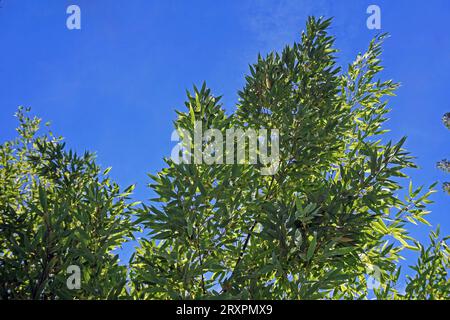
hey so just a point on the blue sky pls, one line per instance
(112, 87)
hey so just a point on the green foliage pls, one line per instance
(316, 229)
(444, 165)
(327, 220)
(58, 209)
(431, 280)
(446, 120)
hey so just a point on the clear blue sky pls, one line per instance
(112, 87)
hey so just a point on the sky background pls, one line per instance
(112, 87)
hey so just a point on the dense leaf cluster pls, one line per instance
(58, 209)
(330, 219)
